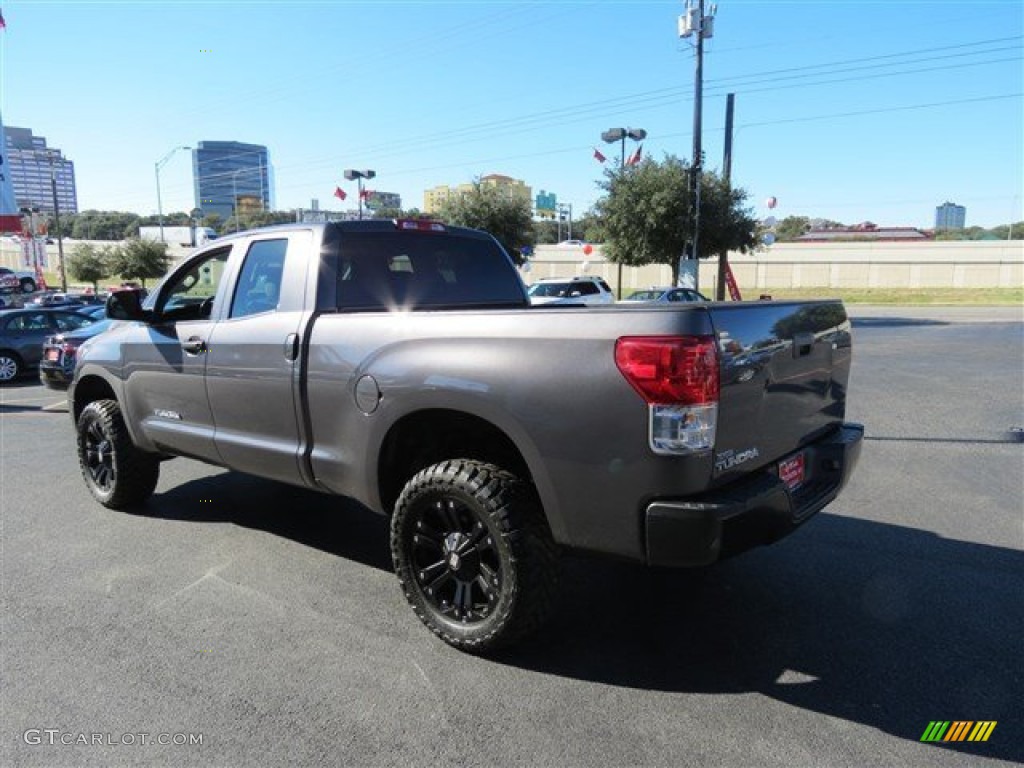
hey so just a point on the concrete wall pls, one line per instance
(952, 264)
(947, 264)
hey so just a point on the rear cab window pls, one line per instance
(409, 270)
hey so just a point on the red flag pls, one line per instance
(637, 156)
(3, 24)
(365, 193)
(598, 156)
(340, 193)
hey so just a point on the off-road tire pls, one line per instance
(118, 474)
(473, 554)
(11, 366)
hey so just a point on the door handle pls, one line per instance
(291, 347)
(194, 346)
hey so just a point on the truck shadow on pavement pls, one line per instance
(873, 623)
(333, 524)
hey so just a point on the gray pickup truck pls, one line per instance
(400, 363)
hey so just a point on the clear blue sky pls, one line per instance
(849, 111)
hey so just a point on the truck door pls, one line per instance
(166, 360)
(252, 361)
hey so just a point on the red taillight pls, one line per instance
(670, 369)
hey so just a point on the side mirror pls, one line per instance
(126, 305)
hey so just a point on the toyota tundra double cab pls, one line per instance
(401, 364)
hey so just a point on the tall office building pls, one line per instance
(230, 176)
(950, 216)
(29, 162)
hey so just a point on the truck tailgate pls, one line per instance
(784, 372)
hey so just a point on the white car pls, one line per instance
(23, 280)
(571, 290)
(571, 244)
(663, 295)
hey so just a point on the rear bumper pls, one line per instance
(54, 376)
(754, 511)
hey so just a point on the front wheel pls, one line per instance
(117, 473)
(10, 367)
(28, 285)
(474, 554)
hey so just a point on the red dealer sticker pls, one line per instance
(791, 471)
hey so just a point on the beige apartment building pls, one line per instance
(434, 198)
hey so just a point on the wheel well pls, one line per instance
(89, 390)
(425, 438)
(10, 353)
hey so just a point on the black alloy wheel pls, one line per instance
(473, 554)
(117, 473)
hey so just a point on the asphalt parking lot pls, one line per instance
(266, 621)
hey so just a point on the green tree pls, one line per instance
(212, 220)
(646, 217)
(493, 210)
(139, 259)
(791, 227)
(89, 264)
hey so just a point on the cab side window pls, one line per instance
(259, 284)
(190, 294)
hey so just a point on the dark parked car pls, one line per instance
(60, 352)
(23, 331)
(95, 311)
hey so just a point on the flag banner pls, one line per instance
(637, 156)
(340, 193)
(599, 156)
(3, 24)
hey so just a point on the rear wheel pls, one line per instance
(473, 554)
(10, 366)
(117, 473)
(28, 285)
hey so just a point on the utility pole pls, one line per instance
(723, 257)
(694, 22)
(56, 221)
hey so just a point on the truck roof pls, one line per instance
(364, 225)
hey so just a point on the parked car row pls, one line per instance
(45, 334)
(591, 290)
(24, 331)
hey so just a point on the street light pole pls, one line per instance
(359, 176)
(610, 137)
(159, 203)
(694, 22)
(56, 221)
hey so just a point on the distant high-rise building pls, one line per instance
(434, 198)
(230, 176)
(29, 162)
(950, 216)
